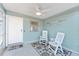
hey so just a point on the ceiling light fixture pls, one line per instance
(38, 13)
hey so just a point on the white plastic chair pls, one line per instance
(44, 37)
(57, 42)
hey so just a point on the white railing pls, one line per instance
(1, 39)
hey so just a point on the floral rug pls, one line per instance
(45, 51)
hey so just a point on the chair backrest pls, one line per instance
(44, 33)
(59, 38)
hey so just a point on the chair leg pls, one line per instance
(55, 51)
(61, 49)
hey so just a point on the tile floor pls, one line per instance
(27, 50)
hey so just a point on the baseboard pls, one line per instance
(71, 50)
(29, 42)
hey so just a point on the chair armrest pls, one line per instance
(52, 39)
(40, 37)
(53, 43)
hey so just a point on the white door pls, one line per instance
(14, 29)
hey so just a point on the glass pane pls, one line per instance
(2, 29)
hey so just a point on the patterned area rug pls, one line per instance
(45, 51)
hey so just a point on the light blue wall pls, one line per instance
(28, 36)
(67, 23)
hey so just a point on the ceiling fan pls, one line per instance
(40, 11)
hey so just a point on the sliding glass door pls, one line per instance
(2, 29)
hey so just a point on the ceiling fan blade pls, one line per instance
(38, 8)
(46, 10)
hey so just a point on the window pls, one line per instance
(2, 28)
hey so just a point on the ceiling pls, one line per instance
(50, 9)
